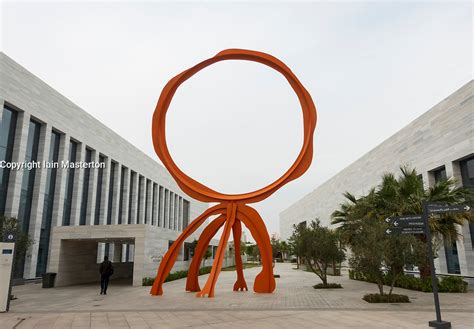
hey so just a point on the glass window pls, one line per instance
(154, 205)
(187, 250)
(130, 196)
(7, 137)
(452, 259)
(439, 174)
(98, 196)
(185, 214)
(113, 165)
(107, 250)
(467, 176)
(69, 184)
(467, 172)
(27, 185)
(160, 207)
(175, 212)
(50, 186)
(147, 186)
(166, 219)
(85, 188)
(140, 184)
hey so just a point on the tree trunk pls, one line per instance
(425, 269)
(380, 285)
(392, 284)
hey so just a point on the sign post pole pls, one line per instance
(7, 259)
(438, 323)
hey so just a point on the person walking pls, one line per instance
(106, 269)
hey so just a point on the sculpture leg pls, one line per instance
(240, 284)
(192, 282)
(264, 281)
(170, 257)
(216, 267)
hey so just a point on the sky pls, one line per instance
(371, 69)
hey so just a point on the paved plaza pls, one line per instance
(294, 303)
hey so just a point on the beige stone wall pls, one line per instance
(440, 137)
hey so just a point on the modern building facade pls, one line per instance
(81, 191)
(438, 144)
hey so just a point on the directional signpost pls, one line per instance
(418, 224)
(437, 208)
(408, 224)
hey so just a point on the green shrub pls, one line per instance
(327, 286)
(393, 298)
(148, 281)
(452, 284)
(447, 283)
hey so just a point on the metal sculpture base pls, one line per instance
(231, 215)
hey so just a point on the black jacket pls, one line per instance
(106, 268)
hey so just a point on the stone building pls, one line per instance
(124, 204)
(438, 144)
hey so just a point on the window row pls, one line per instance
(108, 193)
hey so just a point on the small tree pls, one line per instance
(252, 251)
(295, 242)
(368, 246)
(206, 256)
(319, 247)
(22, 243)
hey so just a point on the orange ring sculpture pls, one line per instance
(231, 208)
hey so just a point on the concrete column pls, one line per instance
(16, 176)
(78, 186)
(166, 210)
(100, 251)
(171, 210)
(134, 199)
(156, 201)
(105, 193)
(116, 196)
(149, 201)
(138, 261)
(126, 195)
(141, 213)
(92, 195)
(123, 259)
(37, 204)
(180, 214)
(60, 188)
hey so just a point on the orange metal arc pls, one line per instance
(192, 283)
(231, 207)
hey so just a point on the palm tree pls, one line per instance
(404, 196)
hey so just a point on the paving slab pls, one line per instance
(294, 303)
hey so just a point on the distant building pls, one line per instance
(438, 144)
(126, 206)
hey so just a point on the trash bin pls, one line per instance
(48, 280)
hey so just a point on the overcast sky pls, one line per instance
(370, 68)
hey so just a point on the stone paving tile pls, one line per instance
(266, 319)
(294, 303)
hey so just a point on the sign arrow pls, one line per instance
(407, 221)
(405, 230)
(438, 208)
